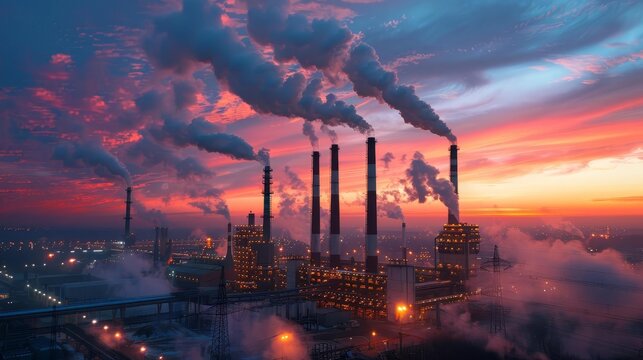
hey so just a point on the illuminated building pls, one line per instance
(254, 264)
(457, 248)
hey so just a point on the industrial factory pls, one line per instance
(396, 290)
(322, 289)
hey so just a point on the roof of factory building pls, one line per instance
(194, 268)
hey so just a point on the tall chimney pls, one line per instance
(315, 225)
(267, 181)
(229, 263)
(251, 219)
(453, 173)
(334, 207)
(155, 252)
(404, 241)
(128, 218)
(371, 209)
(228, 255)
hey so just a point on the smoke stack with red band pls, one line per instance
(315, 255)
(371, 209)
(334, 206)
(128, 218)
(453, 218)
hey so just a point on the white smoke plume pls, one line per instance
(422, 182)
(331, 47)
(94, 156)
(309, 130)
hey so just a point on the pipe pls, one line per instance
(404, 241)
(334, 242)
(267, 181)
(128, 218)
(315, 256)
(228, 254)
(155, 253)
(371, 209)
(453, 218)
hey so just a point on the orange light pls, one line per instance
(143, 349)
(51, 255)
(105, 327)
(117, 335)
(72, 260)
(284, 337)
(373, 333)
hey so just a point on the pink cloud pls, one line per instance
(58, 59)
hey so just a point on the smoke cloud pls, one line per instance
(561, 299)
(214, 203)
(152, 216)
(205, 136)
(329, 46)
(94, 156)
(152, 153)
(332, 135)
(309, 130)
(263, 156)
(132, 277)
(387, 158)
(197, 35)
(424, 183)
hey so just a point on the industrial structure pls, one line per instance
(396, 291)
(128, 236)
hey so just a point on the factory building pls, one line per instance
(396, 291)
(458, 244)
(254, 263)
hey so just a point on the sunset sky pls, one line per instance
(546, 101)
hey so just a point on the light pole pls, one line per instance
(401, 310)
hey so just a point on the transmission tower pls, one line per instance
(220, 347)
(497, 311)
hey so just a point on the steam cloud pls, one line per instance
(332, 135)
(153, 216)
(205, 136)
(329, 46)
(309, 130)
(153, 153)
(104, 164)
(387, 158)
(424, 183)
(215, 204)
(197, 35)
(263, 156)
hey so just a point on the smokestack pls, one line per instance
(128, 218)
(453, 218)
(155, 253)
(404, 241)
(371, 209)
(267, 181)
(228, 255)
(251, 219)
(315, 226)
(334, 206)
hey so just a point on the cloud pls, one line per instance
(197, 35)
(94, 156)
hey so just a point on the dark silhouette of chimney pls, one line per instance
(371, 208)
(267, 215)
(453, 174)
(404, 251)
(155, 253)
(229, 261)
(315, 256)
(251, 219)
(128, 218)
(333, 242)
